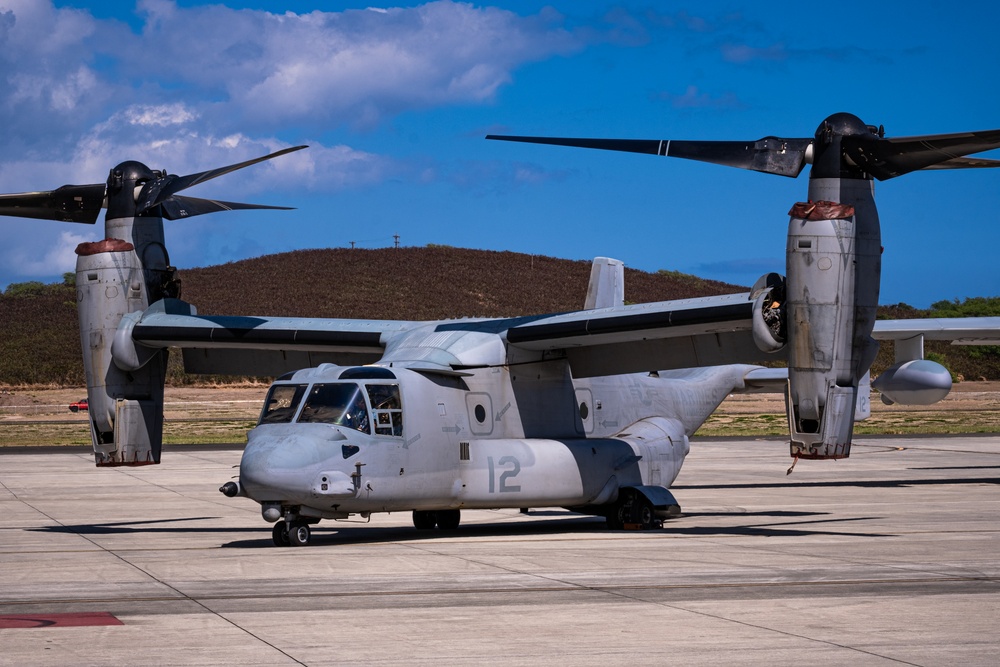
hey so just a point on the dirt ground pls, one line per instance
(971, 407)
(30, 417)
(195, 401)
(179, 403)
(225, 413)
(963, 396)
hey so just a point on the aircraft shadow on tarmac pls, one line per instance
(570, 524)
(152, 526)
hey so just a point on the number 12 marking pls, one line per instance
(506, 475)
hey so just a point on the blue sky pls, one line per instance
(394, 99)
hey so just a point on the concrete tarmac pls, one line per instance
(889, 557)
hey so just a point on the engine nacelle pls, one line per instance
(116, 277)
(918, 382)
(833, 264)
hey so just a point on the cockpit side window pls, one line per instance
(281, 403)
(387, 408)
(341, 403)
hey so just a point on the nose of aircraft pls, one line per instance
(294, 467)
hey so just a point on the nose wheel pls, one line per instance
(296, 534)
(279, 534)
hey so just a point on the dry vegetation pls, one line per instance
(972, 407)
(191, 415)
(225, 414)
(415, 284)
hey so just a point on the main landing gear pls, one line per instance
(296, 534)
(443, 519)
(634, 511)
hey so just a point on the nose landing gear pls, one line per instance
(294, 533)
(279, 534)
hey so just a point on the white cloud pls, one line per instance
(57, 258)
(74, 84)
(63, 71)
(50, 84)
(743, 53)
(693, 98)
(324, 66)
(161, 115)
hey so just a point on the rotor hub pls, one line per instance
(843, 125)
(831, 157)
(122, 182)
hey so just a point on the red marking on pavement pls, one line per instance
(22, 621)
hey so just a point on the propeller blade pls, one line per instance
(70, 203)
(649, 146)
(178, 207)
(159, 190)
(771, 155)
(966, 163)
(887, 157)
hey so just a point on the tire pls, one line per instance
(424, 520)
(644, 514)
(448, 519)
(621, 511)
(299, 534)
(279, 534)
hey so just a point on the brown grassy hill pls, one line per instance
(415, 284)
(40, 337)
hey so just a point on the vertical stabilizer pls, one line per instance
(607, 284)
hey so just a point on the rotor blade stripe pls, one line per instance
(251, 336)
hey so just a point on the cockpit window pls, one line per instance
(341, 403)
(281, 403)
(386, 408)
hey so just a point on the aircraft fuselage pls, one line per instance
(335, 441)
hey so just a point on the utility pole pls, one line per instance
(352, 244)
(396, 236)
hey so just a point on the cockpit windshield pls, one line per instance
(281, 403)
(341, 403)
(386, 406)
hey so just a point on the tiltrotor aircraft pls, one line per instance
(590, 410)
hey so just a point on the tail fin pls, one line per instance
(607, 284)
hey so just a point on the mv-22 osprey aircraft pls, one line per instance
(589, 410)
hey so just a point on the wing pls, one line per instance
(707, 331)
(249, 345)
(908, 336)
(959, 330)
